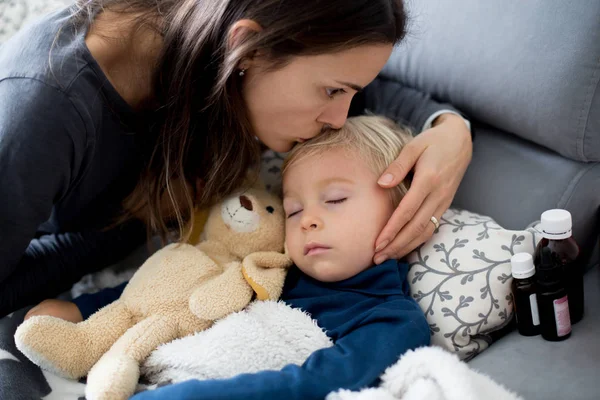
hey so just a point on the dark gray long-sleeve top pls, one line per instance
(67, 144)
(68, 153)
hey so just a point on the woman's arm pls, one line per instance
(43, 140)
(38, 153)
(403, 104)
(53, 263)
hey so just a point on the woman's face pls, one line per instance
(296, 102)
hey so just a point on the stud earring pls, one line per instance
(242, 72)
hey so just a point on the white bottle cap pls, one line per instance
(521, 265)
(556, 224)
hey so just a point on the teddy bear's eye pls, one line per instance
(270, 209)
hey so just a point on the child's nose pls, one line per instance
(311, 222)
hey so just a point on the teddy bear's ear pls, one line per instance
(265, 272)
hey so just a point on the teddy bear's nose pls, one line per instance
(246, 203)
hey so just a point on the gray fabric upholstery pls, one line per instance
(528, 67)
(514, 181)
(540, 370)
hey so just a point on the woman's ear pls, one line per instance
(238, 34)
(241, 30)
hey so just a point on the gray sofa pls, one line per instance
(526, 73)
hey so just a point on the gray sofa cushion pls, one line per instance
(514, 181)
(528, 67)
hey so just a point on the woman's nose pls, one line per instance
(335, 115)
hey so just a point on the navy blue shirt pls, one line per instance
(370, 317)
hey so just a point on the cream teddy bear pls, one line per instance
(179, 290)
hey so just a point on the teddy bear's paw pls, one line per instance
(114, 377)
(52, 344)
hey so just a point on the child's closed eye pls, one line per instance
(338, 201)
(290, 215)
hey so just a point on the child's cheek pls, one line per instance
(291, 246)
(287, 244)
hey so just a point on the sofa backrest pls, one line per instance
(531, 67)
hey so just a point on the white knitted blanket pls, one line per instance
(270, 335)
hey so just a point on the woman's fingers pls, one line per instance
(411, 203)
(416, 242)
(439, 157)
(417, 231)
(405, 162)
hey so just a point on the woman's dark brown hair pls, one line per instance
(204, 134)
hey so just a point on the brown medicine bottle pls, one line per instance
(524, 294)
(552, 299)
(556, 226)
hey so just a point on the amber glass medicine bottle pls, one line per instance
(553, 302)
(556, 227)
(524, 294)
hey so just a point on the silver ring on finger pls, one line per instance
(435, 222)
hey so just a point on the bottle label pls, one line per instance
(535, 315)
(562, 317)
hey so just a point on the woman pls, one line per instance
(157, 105)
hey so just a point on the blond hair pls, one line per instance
(377, 140)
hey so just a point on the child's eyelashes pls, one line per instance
(334, 201)
(290, 215)
(338, 201)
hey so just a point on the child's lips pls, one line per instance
(317, 250)
(312, 249)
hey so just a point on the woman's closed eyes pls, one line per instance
(332, 92)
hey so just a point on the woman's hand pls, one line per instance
(440, 156)
(56, 308)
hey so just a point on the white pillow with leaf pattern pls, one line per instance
(461, 278)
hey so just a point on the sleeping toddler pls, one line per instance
(335, 209)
